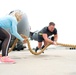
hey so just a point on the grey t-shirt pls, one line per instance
(46, 31)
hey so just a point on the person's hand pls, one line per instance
(54, 43)
(25, 41)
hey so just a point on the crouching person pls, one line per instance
(9, 22)
(45, 33)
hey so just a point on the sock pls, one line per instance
(43, 46)
(36, 49)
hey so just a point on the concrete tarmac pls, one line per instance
(52, 62)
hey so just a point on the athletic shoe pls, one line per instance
(6, 59)
(42, 46)
(36, 49)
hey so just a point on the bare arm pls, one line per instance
(56, 37)
(47, 39)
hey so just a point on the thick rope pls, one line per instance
(14, 44)
(30, 49)
(37, 53)
(33, 51)
(67, 45)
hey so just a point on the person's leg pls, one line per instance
(1, 41)
(6, 40)
(39, 44)
(40, 39)
(5, 44)
(45, 43)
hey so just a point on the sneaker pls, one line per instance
(36, 49)
(42, 46)
(6, 59)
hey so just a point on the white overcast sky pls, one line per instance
(41, 12)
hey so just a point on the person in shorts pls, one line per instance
(45, 33)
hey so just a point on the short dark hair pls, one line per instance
(51, 23)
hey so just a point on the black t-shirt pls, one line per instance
(46, 31)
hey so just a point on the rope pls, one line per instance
(14, 44)
(32, 51)
(67, 45)
(37, 53)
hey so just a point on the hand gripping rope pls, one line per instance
(37, 53)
